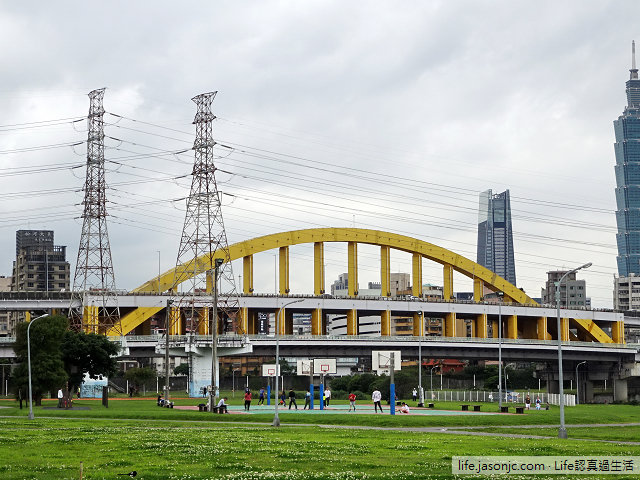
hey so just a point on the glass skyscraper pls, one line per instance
(495, 236)
(627, 149)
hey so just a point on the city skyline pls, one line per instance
(328, 115)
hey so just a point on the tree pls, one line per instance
(182, 369)
(138, 376)
(47, 367)
(285, 368)
(88, 353)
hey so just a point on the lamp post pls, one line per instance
(420, 390)
(500, 294)
(562, 431)
(30, 416)
(431, 377)
(578, 383)
(214, 336)
(276, 419)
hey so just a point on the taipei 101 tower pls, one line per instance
(627, 169)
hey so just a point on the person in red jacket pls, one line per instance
(352, 401)
(247, 400)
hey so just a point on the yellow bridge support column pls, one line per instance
(284, 270)
(542, 329)
(447, 281)
(281, 322)
(316, 322)
(418, 324)
(512, 326)
(449, 324)
(247, 275)
(385, 323)
(352, 321)
(416, 289)
(175, 321)
(564, 327)
(478, 290)
(243, 320)
(203, 324)
(494, 328)
(481, 326)
(352, 254)
(385, 271)
(318, 268)
(90, 318)
(617, 332)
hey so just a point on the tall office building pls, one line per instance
(40, 265)
(627, 150)
(495, 236)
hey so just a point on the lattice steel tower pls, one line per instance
(94, 269)
(203, 237)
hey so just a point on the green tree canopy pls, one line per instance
(88, 353)
(182, 369)
(47, 368)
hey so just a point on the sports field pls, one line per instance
(182, 443)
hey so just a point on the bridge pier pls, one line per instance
(620, 390)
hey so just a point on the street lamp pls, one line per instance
(578, 383)
(500, 295)
(214, 336)
(431, 377)
(30, 416)
(562, 431)
(276, 419)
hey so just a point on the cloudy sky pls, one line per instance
(385, 115)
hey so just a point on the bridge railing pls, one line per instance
(239, 339)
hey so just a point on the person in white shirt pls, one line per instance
(327, 395)
(404, 408)
(222, 406)
(376, 396)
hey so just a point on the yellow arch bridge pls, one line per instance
(452, 325)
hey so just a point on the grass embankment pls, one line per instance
(52, 449)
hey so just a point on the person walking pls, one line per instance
(283, 398)
(327, 395)
(292, 399)
(352, 401)
(376, 396)
(261, 396)
(247, 400)
(527, 402)
(414, 394)
(307, 400)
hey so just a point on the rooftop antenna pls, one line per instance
(634, 70)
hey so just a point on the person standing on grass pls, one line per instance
(307, 400)
(538, 403)
(327, 395)
(292, 399)
(527, 402)
(414, 394)
(60, 397)
(261, 396)
(352, 401)
(376, 396)
(247, 400)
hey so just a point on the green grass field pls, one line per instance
(161, 443)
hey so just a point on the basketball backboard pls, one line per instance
(269, 370)
(325, 366)
(304, 367)
(381, 359)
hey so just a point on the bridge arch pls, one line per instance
(418, 248)
(536, 328)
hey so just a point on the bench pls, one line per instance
(519, 409)
(465, 408)
(431, 405)
(476, 408)
(504, 409)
